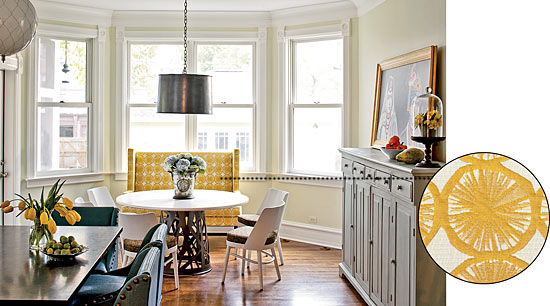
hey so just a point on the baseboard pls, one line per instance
(301, 232)
(312, 234)
(219, 229)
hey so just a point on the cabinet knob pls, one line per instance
(399, 187)
(351, 225)
(370, 242)
(393, 261)
(386, 181)
(345, 165)
(361, 171)
(354, 169)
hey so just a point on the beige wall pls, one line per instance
(393, 28)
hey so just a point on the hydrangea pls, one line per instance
(182, 164)
(169, 162)
(199, 162)
(188, 156)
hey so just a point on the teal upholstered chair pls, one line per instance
(138, 284)
(96, 216)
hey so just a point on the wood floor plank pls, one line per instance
(309, 277)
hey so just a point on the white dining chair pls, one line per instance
(258, 238)
(273, 196)
(100, 196)
(80, 202)
(134, 228)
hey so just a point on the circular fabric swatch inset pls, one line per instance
(483, 218)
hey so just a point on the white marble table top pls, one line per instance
(162, 200)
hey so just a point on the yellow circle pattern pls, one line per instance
(488, 213)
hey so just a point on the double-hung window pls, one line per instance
(63, 106)
(315, 106)
(232, 67)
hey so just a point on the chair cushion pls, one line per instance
(241, 234)
(249, 220)
(98, 284)
(132, 245)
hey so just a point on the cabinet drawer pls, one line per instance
(382, 180)
(358, 170)
(401, 187)
(369, 175)
(346, 166)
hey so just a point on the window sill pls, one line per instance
(68, 178)
(333, 181)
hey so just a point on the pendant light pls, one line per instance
(17, 26)
(185, 93)
(65, 66)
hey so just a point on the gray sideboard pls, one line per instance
(382, 253)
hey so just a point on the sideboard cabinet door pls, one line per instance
(363, 234)
(404, 253)
(347, 247)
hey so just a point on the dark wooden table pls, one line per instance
(28, 277)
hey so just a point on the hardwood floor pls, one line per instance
(309, 277)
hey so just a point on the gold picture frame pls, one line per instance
(398, 80)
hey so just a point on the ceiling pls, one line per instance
(195, 5)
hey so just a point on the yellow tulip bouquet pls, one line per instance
(40, 212)
(431, 120)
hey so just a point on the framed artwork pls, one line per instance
(398, 81)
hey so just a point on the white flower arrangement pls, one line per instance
(184, 162)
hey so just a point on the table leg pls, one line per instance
(193, 252)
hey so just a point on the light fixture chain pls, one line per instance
(185, 36)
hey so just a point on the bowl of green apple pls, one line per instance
(67, 248)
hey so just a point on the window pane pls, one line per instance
(154, 132)
(225, 130)
(62, 138)
(317, 138)
(62, 70)
(231, 68)
(319, 72)
(146, 63)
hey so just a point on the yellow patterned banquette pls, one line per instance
(145, 172)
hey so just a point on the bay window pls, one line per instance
(315, 106)
(232, 67)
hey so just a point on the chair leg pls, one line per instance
(249, 256)
(243, 261)
(275, 262)
(176, 269)
(280, 251)
(236, 252)
(227, 248)
(260, 270)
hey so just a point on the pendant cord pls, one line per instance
(185, 36)
(3, 173)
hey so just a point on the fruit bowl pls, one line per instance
(391, 153)
(59, 257)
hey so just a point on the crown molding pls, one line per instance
(364, 6)
(47, 10)
(313, 13)
(310, 14)
(198, 19)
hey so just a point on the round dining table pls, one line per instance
(186, 220)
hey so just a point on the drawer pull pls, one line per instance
(399, 187)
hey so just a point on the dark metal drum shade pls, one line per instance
(185, 94)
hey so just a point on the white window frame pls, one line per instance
(287, 70)
(95, 96)
(257, 39)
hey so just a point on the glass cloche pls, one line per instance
(428, 115)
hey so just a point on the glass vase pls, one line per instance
(39, 235)
(428, 115)
(184, 184)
